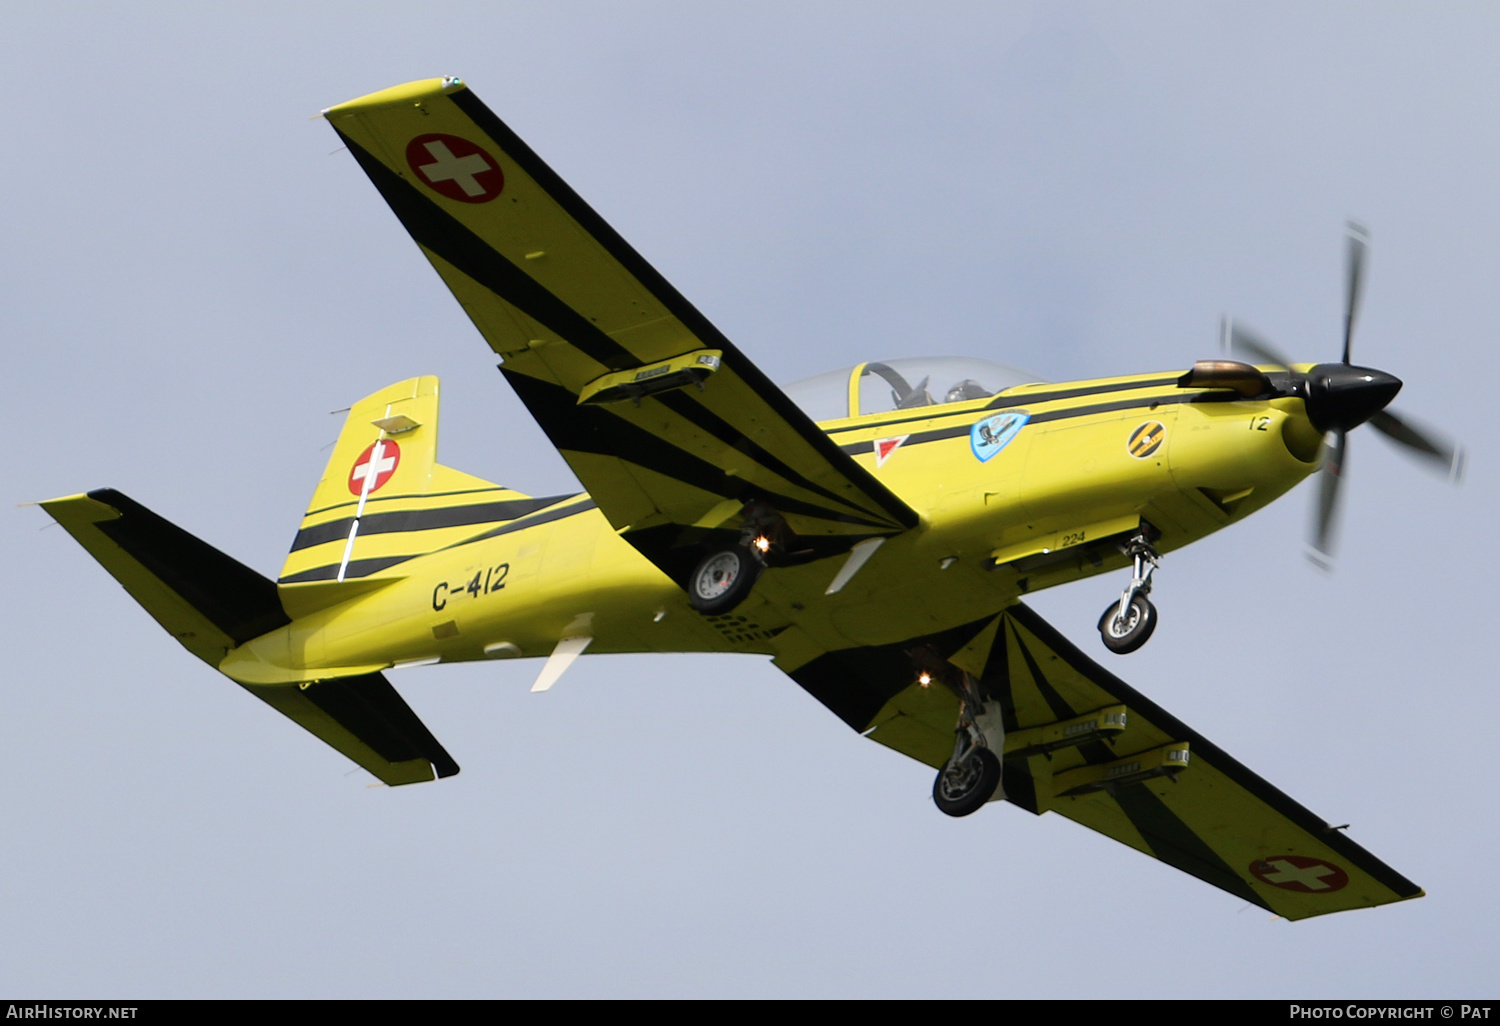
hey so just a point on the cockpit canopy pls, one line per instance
(882, 386)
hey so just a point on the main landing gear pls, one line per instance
(722, 579)
(1127, 624)
(972, 774)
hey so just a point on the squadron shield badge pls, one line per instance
(992, 434)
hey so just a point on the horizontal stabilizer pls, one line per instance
(365, 719)
(208, 601)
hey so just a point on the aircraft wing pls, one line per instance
(669, 427)
(1082, 743)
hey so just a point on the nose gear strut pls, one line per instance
(1127, 625)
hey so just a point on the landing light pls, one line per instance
(762, 544)
(924, 678)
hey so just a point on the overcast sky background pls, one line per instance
(191, 278)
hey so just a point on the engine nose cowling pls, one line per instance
(1344, 397)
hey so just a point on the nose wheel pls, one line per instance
(1127, 624)
(1124, 634)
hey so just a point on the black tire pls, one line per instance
(1125, 637)
(970, 787)
(722, 579)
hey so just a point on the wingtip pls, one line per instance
(407, 92)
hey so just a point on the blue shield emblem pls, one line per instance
(992, 434)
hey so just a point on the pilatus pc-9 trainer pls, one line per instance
(872, 530)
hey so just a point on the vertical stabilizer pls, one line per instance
(384, 499)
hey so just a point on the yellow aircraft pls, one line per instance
(872, 530)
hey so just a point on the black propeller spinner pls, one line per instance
(1340, 397)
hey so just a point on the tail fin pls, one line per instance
(385, 499)
(211, 603)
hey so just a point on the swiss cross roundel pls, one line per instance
(452, 166)
(1299, 873)
(381, 463)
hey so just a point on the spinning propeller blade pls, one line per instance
(1422, 443)
(1238, 339)
(1320, 545)
(1359, 245)
(1340, 397)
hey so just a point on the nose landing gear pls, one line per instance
(1127, 624)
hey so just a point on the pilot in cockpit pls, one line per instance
(966, 389)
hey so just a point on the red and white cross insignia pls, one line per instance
(454, 167)
(885, 446)
(1299, 873)
(383, 464)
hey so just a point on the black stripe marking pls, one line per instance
(678, 306)
(1174, 842)
(1045, 416)
(690, 409)
(449, 238)
(1059, 706)
(561, 513)
(421, 520)
(593, 429)
(407, 495)
(822, 444)
(1092, 751)
(856, 683)
(370, 709)
(1020, 787)
(442, 234)
(589, 220)
(676, 550)
(364, 567)
(1202, 748)
(356, 569)
(230, 595)
(1001, 402)
(997, 680)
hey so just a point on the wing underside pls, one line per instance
(672, 431)
(1086, 745)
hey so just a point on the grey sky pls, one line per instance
(192, 280)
